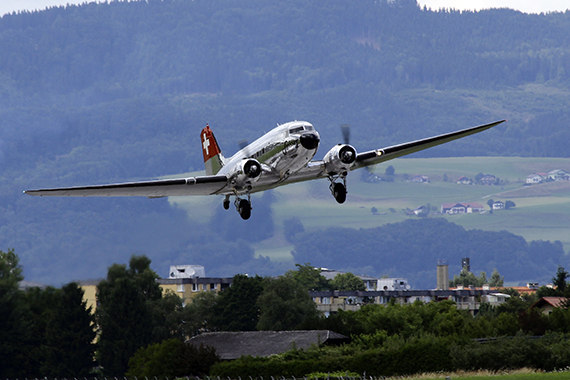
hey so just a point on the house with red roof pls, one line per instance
(547, 304)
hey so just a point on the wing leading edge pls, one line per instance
(220, 184)
(380, 155)
(204, 185)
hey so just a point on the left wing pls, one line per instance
(384, 154)
(204, 185)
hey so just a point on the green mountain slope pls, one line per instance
(119, 91)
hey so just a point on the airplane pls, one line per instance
(282, 156)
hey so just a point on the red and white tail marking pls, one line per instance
(213, 159)
(210, 146)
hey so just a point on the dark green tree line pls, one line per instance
(43, 332)
(131, 313)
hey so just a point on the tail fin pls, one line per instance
(213, 158)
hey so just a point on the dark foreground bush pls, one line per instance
(397, 357)
(172, 358)
(548, 353)
(415, 355)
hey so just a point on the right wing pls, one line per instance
(204, 185)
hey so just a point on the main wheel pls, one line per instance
(226, 203)
(244, 209)
(339, 192)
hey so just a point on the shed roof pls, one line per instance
(232, 345)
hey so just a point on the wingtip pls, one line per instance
(495, 123)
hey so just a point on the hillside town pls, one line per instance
(460, 208)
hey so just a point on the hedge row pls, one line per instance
(427, 354)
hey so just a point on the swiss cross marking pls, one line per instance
(206, 144)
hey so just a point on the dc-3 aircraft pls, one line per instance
(280, 157)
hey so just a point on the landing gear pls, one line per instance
(339, 192)
(338, 189)
(243, 207)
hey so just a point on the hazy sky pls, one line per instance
(529, 6)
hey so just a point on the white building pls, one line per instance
(393, 284)
(186, 271)
(533, 179)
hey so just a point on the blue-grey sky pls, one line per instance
(528, 6)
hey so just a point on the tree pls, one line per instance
(10, 272)
(509, 204)
(12, 326)
(236, 307)
(172, 358)
(69, 335)
(465, 278)
(285, 304)
(308, 277)
(198, 316)
(390, 171)
(43, 332)
(490, 204)
(482, 279)
(124, 313)
(559, 281)
(496, 279)
(347, 281)
(167, 317)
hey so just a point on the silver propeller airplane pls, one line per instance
(280, 157)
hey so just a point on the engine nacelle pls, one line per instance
(247, 171)
(340, 158)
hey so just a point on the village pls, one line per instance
(461, 207)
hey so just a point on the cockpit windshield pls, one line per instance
(300, 129)
(296, 130)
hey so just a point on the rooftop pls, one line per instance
(232, 345)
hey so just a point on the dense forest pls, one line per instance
(119, 91)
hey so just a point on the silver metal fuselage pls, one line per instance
(280, 153)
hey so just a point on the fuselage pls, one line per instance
(282, 151)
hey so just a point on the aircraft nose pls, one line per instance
(310, 140)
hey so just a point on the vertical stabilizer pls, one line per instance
(213, 159)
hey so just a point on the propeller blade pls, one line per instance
(345, 129)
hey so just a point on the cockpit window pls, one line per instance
(296, 130)
(308, 127)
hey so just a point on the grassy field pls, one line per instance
(542, 211)
(523, 374)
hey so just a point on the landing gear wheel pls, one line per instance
(339, 192)
(244, 209)
(226, 203)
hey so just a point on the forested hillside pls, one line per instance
(412, 248)
(119, 91)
